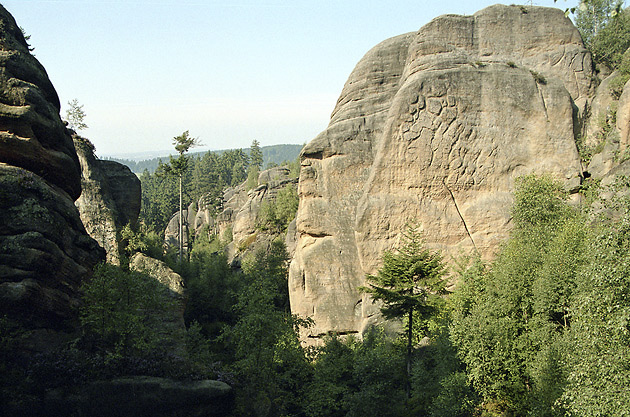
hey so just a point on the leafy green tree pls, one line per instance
(612, 40)
(408, 282)
(510, 320)
(178, 167)
(268, 360)
(75, 116)
(328, 392)
(592, 16)
(115, 306)
(379, 377)
(599, 354)
(255, 165)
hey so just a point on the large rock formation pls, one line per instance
(434, 126)
(239, 220)
(110, 199)
(45, 251)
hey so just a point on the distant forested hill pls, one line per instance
(274, 154)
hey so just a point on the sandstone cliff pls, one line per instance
(45, 251)
(110, 199)
(434, 126)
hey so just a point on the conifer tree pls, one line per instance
(178, 166)
(407, 283)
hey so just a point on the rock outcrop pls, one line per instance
(434, 127)
(239, 220)
(169, 324)
(110, 199)
(45, 251)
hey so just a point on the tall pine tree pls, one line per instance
(407, 283)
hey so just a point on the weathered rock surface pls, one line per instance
(96, 207)
(110, 199)
(434, 126)
(45, 251)
(142, 396)
(239, 217)
(32, 135)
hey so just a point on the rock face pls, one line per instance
(45, 251)
(239, 219)
(434, 127)
(110, 199)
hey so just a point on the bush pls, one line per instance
(275, 215)
(114, 311)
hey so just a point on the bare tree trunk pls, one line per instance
(409, 346)
(180, 241)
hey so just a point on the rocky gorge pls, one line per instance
(433, 127)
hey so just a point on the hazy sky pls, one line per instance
(228, 71)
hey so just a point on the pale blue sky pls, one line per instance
(228, 71)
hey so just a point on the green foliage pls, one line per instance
(268, 360)
(252, 178)
(599, 376)
(27, 39)
(255, 155)
(276, 214)
(623, 68)
(439, 385)
(332, 383)
(274, 154)
(211, 287)
(538, 77)
(114, 311)
(598, 22)
(510, 321)
(184, 142)
(410, 281)
(410, 278)
(585, 151)
(160, 198)
(75, 116)
(539, 201)
(142, 240)
(379, 375)
(358, 378)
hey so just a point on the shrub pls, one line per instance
(538, 77)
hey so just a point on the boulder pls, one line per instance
(45, 252)
(125, 190)
(434, 127)
(32, 135)
(142, 396)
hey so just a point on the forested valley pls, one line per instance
(542, 329)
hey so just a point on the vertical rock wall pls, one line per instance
(434, 126)
(45, 251)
